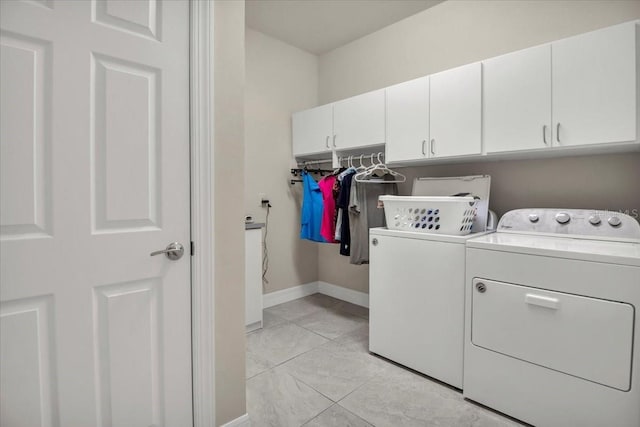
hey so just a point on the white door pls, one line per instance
(95, 176)
(359, 121)
(516, 98)
(407, 120)
(312, 130)
(455, 109)
(595, 87)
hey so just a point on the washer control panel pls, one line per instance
(571, 222)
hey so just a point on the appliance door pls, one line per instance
(589, 338)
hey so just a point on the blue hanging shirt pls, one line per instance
(312, 206)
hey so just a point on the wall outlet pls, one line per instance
(262, 197)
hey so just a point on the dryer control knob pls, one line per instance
(563, 217)
(533, 217)
(614, 221)
(594, 220)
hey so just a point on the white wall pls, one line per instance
(459, 32)
(280, 79)
(228, 154)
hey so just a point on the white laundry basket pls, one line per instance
(427, 214)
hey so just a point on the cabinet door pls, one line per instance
(312, 130)
(359, 121)
(416, 300)
(517, 100)
(253, 278)
(407, 120)
(455, 112)
(594, 87)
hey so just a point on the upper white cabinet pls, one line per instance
(574, 92)
(455, 112)
(577, 91)
(359, 121)
(408, 120)
(517, 100)
(594, 87)
(312, 130)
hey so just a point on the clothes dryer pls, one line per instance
(552, 332)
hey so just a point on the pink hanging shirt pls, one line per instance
(328, 224)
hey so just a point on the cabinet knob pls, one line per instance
(481, 287)
(374, 241)
(433, 146)
(544, 134)
(558, 132)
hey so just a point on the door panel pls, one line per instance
(95, 177)
(455, 106)
(137, 17)
(25, 130)
(517, 100)
(359, 121)
(26, 340)
(312, 130)
(128, 331)
(594, 87)
(407, 120)
(125, 145)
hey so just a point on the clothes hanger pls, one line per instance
(365, 175)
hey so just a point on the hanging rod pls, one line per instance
(340, 159)
(314, 162)
(298, 171)
(364, 157)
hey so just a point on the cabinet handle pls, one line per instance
(424, 142)
(326, 141)
(334, 140)
(558, 132)
(544, 134)
(432, 146)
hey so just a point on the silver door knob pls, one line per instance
(174, 251)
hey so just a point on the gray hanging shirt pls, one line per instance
(365, 214)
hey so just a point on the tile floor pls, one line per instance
(310, 366)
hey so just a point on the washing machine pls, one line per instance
(416, 287)
(552, 335)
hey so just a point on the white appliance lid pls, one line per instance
(613, 252)
(476, 186)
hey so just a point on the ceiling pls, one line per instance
(319, 26)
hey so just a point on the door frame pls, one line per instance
(202, 211)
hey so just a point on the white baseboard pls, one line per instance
(242, 421)
(289, 294)
(345, 294)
